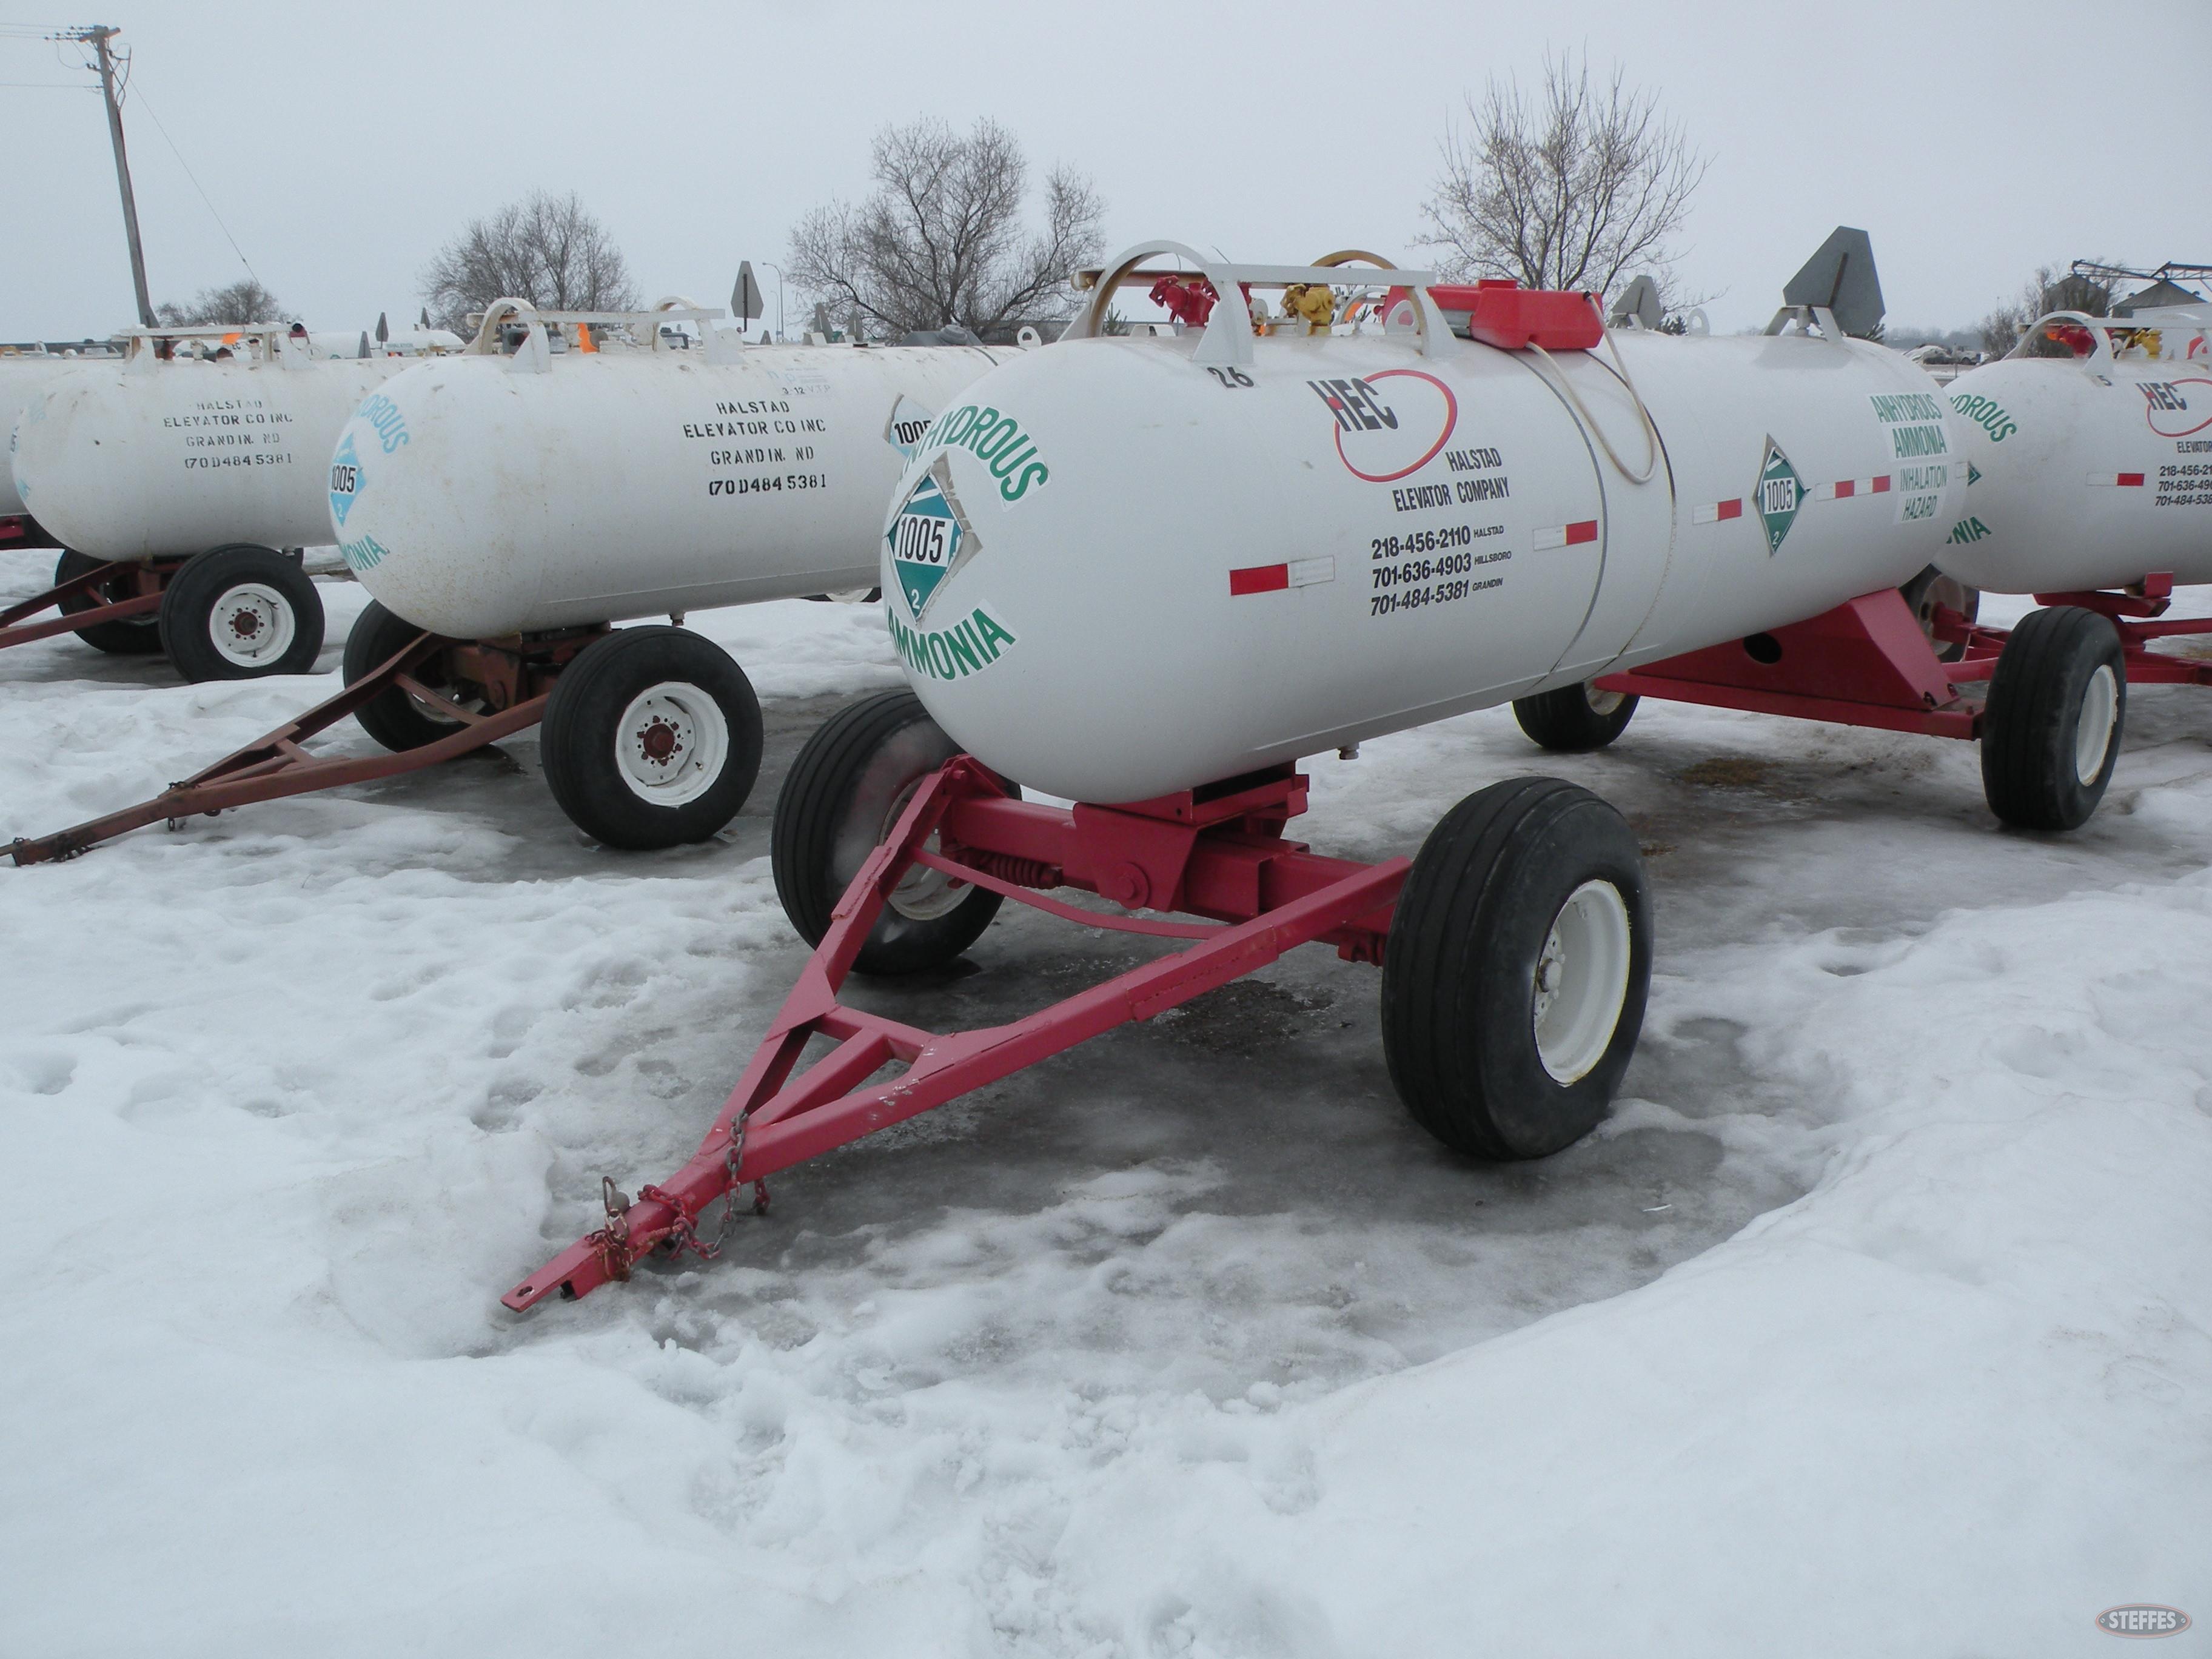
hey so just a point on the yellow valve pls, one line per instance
(1313, 303)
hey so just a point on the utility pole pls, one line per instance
(98, 39)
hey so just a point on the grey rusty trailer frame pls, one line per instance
(515, 675)
(150, 579)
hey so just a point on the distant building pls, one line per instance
(2159, 294)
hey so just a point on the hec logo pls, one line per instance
(1778, 495)
(345, 480)
(1357, 406)
(1385, 433)
(2167, 407)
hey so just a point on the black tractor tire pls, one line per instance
(1931, 588)
(1517, 971)
(845, 793)
(134, 636)
(391, 717)
(1575, 719)
(241, 613)
(651, 738)
(2056, 713)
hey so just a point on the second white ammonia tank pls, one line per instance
(2091, 470)
(22, 377)
(144, 458)
(1128, 566)
(478, 496)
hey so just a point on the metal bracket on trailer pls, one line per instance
(1864, 663)
(2135, 614)
(1215, 853)
(150, 577)
(275, 764)
(1868, 662)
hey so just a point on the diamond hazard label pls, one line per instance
(1779, 494)
(929, 539)
(345, 480)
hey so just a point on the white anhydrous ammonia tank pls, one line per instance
(2088, 472)
(480, 495)
(1127, 566)
(146, 458)
(21, 380)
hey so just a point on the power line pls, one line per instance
(148, 107)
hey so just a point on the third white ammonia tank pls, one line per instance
(1127, 566)
(480, 495)
(145, 459)
(2091, 448)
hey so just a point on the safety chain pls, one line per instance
(683, 1231)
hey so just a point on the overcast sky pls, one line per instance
(342, 143)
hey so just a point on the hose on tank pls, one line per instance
(1650, 432)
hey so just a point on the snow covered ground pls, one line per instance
(1876, 1321)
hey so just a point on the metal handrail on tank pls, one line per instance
(2099, 332)
(208, 332)
(535, 351)
(274, 340)
(1227, 340)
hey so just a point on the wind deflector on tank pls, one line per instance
(1840, 278)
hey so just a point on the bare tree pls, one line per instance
(545, 249)
(1575, 187)
(2049, 290)
(242, 301)
(942, 240)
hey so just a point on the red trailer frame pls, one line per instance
(1868, 663)
(1216, 852)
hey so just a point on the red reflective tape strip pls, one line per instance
(1847, 488)
(2130, 480)
(1881, 485)
(1732, 509)
(1586, 530)
(1258, 579)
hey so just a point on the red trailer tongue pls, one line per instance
(1216, 853)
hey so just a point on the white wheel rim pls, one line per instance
(1602, 702)
(1582, 981)
(2093, 728)
(251, 624)
(671, 744)
(922, 894)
